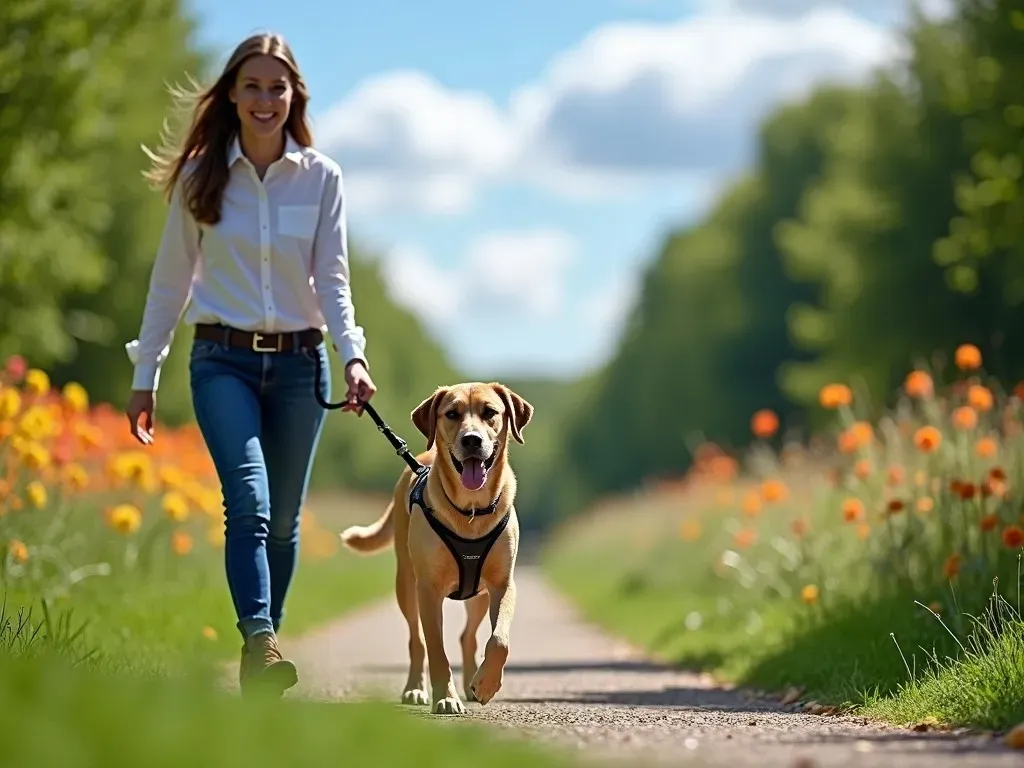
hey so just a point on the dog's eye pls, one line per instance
(453, 415)
(489, 413)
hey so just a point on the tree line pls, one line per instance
(880, 226)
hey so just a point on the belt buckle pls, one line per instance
(258, 337)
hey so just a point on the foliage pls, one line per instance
(798, 563)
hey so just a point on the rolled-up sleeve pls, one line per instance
(331, 276)
(170, 287)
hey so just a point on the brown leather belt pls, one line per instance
(288, 341)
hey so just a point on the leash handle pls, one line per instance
(400, 446)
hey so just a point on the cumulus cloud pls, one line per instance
(630, 103)
(515, 273)
(887, 9)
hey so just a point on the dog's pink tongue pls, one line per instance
(473, 474)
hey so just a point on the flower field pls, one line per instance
(128, 538)
(878, 556)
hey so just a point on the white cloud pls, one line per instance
(630, 103)
(404, 140)
(892, 10)
(510, 273)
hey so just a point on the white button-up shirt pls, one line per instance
(276, 261)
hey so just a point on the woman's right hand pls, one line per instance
(142, 402)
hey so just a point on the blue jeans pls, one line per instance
(261, 423)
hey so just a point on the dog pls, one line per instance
(468, 490)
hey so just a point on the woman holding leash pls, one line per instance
(256, 237)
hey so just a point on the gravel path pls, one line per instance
(571, 684)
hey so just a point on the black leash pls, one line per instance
(400, 446)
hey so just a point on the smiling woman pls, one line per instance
(256, 239)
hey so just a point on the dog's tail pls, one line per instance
(369, 539)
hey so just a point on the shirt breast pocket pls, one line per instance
(298, 221)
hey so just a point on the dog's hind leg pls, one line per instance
(405, 589)
(476, 609)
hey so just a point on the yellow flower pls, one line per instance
(37, 423)
(36, 493)
(134, 466)
(75, 398)
(209, 633)
(809, 594)
(37, 382)
(181, 543)
(10, 403)
(175, 506)
(17, 550)
(36, 457)
(124, 518)
(171, 478)
(75, 476)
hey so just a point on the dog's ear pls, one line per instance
(424, 417)
(517, 410)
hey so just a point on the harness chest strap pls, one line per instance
(469, 554)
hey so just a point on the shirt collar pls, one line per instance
(292, 149)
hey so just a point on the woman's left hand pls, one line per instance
(360, 387)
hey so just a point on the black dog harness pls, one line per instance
(469, 554)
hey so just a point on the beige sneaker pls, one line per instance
(263, 668)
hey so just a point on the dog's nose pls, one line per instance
(472, 441)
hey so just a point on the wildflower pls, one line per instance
(919, 384)
(986, 447)
(17, 550)
(15, 367)
(809, 594)
(925, 504)
(1013, 537)
(979, 397)
(175, 506)
(37, 382)
(36, 457)
(952, 566)
(833, 396)
(920, 478)
(989, 522)
(210, 633)
(927, 439)
(181, 543)
(895, 506)
(124, 518)
(10, 403)
(774, 490)
(75, 398)
(35, 491)
(863, 531)
(853, 510)
(862, 469)
(744, 538)
(764, 423)
(894, 476)
(75, 476)
(967, 357)
(965, 418)
(690, 530)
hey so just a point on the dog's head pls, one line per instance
(471, 423)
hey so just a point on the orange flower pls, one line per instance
(181, 543)
(862, 469)
(979, 397)
(744, 538)
(964, 489)
(919, 384)
(847, 442)
(690, 530)
(853, 510)
(895, 506)
(925, 504)
(751, 504)
(986, 447)
(17, 550)
(1013, 537)
(967, 357)
(895, 475)
(952, 566)
(863, 531)
(965, 418)
(809, 594)
(833, 396)
(764, 423)
(927, 439)
(773, 490)
(989, 522)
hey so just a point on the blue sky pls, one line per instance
(515, 165)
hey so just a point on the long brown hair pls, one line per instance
(213, 124)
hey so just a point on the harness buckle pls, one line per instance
(257, 337)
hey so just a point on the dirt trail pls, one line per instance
(572, 684)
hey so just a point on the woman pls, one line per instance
(256, 238)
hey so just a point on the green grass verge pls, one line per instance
(52, 715)
(868, 647)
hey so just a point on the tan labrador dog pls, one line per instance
(470, 491)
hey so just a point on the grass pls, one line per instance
(851, 568)
(51, 714)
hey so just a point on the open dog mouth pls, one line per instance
(473, 471)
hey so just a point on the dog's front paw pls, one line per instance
(416, 697)
(450, 706)
(488, 679)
